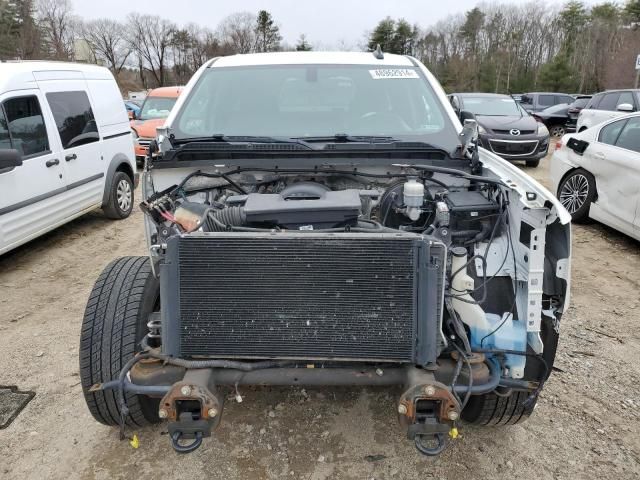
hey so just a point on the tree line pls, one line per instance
(494, 47)
(144, 51)
(509, 48)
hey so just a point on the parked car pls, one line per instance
(554, 118)
(538, 101)
(133, 109)
(575, 108)
(505, 127)
(607, 105)
(154, 111)
(596, 174)
(65, 148)
(309, 216)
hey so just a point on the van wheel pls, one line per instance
(120, 202)
(533, 163)
(115, 321)
(576, 192)
(493, 410)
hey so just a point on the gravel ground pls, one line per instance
(585, 426)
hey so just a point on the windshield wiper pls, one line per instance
(242, 139)
(371, 141)
(344, 138)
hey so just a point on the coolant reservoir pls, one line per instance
(413, 198)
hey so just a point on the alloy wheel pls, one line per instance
(574, 192)
(557, 131)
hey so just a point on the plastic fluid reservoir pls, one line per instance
(512, 335)
(413, 193)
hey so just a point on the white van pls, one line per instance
(65, 148)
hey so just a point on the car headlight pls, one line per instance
(481, 129)
(542, 129)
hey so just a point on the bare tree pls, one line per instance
(150, 39)
(107, 40)
(58, 25)
(238, 32)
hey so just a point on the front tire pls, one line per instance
(576, 192)
(533, 163)
(120, 203)
(493, 410)
(114, 323)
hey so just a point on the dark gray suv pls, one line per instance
(505, 128)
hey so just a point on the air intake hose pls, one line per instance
(231, 216)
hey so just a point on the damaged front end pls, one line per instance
(449, 281)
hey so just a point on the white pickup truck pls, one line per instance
(607, 105)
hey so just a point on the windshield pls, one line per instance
(492, 106)
(315, 100)
(157, 107)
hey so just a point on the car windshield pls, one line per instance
(157, 107)
(313, 101)
(492, 106)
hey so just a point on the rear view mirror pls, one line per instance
(625, 107)
(10, 158)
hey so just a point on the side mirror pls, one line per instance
(466, 115)
(132, 115)
(10, 158)
(625, 107)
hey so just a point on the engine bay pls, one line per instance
(458, 214)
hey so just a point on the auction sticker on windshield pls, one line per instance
(382, 73)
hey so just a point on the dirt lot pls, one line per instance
(586, 424)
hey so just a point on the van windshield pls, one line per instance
(156, 107)
(315, 100)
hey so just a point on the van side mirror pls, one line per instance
(10, 158)
(625, 107)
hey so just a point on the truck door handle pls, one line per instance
(73, 156)
(51, 163)
(599, 155)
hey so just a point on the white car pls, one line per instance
(65, 148)
(596, 174)
(607, 105)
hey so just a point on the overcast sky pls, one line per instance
(327, 23)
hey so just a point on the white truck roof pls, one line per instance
(21, 75)
(305, 58)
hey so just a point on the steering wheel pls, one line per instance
(386, 119)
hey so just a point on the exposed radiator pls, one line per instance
(351, 296)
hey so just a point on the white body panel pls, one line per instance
(36, 198)
(617, 174)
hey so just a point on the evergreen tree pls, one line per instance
(632, 10)
(267, 33)
(303, 45)
(383, 35)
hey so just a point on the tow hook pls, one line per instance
(193, 408)
(428, 410)
(188, 427)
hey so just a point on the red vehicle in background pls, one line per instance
(154, 111)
